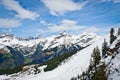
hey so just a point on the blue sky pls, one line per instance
(49, 17)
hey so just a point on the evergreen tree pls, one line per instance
(90, 66)
(73, 78)
(96, 56)
(83, 76)
(104, 48)
(96, 73)
(78, 77)
(99, 74)
(112, 37)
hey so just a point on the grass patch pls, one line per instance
(28, 60)
(7, 56)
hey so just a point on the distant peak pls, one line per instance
(92, 34)
(63, 33)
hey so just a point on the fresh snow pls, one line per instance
(72, 67)
(114, 64)
(115, 42)
(49, 42)
(114, 67)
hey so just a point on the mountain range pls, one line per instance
(62, 57)
(38, 50)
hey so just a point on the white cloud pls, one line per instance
(45, 23)
(21, 12)
(41, 30)
(59, 7)
(9, 23)
(67, 25)
(91, 30)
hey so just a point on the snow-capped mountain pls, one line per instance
(38, 50)
(49, 42)
(75, 65)
(72, 68)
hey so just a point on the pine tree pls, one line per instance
(96, 56)
(99, 74)
(96, 73)
(104, 48)
(83, 76)
(112, 37)
(90, 65)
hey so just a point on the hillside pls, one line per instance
(80, 65)
(19, 52)
(74, 65)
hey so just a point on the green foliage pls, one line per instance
(99, 73)
(112, 31)
(96, 56)
(11, 70)
(96, 73)
(96, 69)
(105, 48)
(90, 66)
(28, 60)
(7, 56)
(54, 62)
(112, 37)
(51, 64)
(6, 60)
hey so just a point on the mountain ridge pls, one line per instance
(42, 49)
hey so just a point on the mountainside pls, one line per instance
(39, 50)
(72, 66)
(113, 68)
(70, 57)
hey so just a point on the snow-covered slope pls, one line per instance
(113, 68)
(77, 63)
(73, 66)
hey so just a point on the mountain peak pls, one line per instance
(63, 33)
